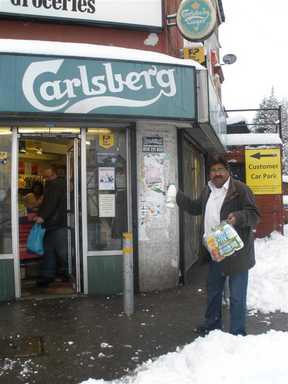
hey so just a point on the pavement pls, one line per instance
(71, 339)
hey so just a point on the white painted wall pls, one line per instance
(158, 225)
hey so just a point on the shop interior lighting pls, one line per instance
(5, 131)
(99, 131)
(48, 130)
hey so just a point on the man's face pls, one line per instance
(49, 175)
(218, 175)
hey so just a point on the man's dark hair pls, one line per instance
(52, 167)
(217, 158)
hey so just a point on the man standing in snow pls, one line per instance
(225, 198)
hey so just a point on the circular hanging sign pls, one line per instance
(196, 19)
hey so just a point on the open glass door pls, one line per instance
(73, 213)
(36, 153)
(8, 233)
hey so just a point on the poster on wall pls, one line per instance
(154, 172)
(106, 178)
(153, 144)
(107, 205)
(152, 198)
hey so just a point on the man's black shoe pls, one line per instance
(66, 279)
(44, 282)
(202, 330)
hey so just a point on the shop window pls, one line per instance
(106, 189)
(5, 191)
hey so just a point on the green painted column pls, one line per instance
(105, 275)
(7, 286)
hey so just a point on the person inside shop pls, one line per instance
(52, 215)
(225, 198)
(34, 199)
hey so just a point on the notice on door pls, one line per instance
(263, 171)
(107, 205)
(106, 178)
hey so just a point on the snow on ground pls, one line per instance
(221, 358)
(218, 358)
(268, 280)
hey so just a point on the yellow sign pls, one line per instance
(263, 171)
(106, 140)
(3, 155)
(196, 54)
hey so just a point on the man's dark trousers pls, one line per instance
(238, 295)
(55, 256)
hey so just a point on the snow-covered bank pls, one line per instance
(268, 280)
(219, 358)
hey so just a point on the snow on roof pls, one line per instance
(253, 139)
(236, 119)
(53, 48)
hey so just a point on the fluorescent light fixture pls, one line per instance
(5, 131)
(48, 130)
(99, 131)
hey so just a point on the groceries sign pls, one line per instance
(142, 13)
(106, 87)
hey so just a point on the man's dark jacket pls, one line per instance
(53, 208)
(239, 200)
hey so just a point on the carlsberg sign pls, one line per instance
(87, 86)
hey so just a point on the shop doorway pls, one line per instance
(37, 153)
(192, 171)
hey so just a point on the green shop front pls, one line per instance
(110, 128)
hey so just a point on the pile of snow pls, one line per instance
(53, 48)
(236, 118)
(219, 358)
(253, 139)
(268, 280)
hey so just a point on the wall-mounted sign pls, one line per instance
(107, 140)
(196, 54)
(128, 13)
(196, 19)
(153, 144)
(263, 171)
(95, 86)
(3, 157)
